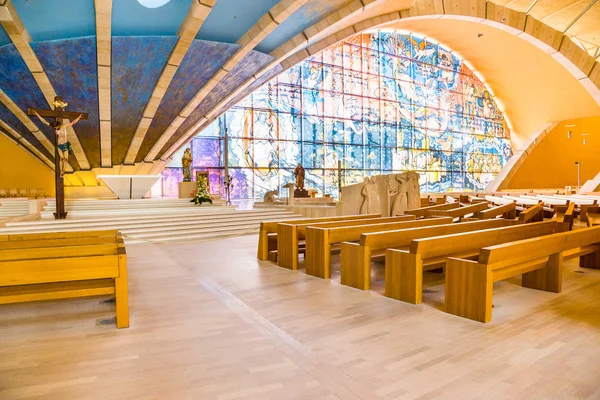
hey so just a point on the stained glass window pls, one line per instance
(381, 102)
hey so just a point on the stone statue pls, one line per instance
(407, 193)
(186, 163)
(369, 193)
(271, 196)
(299, 174)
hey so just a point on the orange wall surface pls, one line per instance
(552, 162)
(20, 170)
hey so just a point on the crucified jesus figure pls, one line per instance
(60, 130)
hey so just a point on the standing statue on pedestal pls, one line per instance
(186, 163)
(299, 174)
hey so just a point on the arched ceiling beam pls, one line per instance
(265, 25)
(188, 30)
(295, 47)
(20, 37)
(21, 140)
(578, 17)
(311, 41)
(103, 49)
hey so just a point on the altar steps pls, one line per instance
(97, 208)
(14, 207)
(187, 225)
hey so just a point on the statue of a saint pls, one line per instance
(299, 174)
(186, 163)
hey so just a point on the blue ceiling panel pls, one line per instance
(57, 19)
(230, 19)
(201, 62)
(18, 84)
(8, 117)
(249, 65)
(137, 63)
(308, 15)
(130, 18)
(4, 39)
(71, 66)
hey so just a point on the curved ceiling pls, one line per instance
(151, 77)
(532, 87)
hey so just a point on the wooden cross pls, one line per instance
(59, 115)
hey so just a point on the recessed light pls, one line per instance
(153, 3)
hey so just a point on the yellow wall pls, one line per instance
(21, 170)
(552, 162)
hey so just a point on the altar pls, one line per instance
(129, 186)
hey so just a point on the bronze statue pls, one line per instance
(186, 163)
(299, 174)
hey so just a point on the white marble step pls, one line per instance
(152, 211)
(243, 229)
(135, 218)
(146, 226)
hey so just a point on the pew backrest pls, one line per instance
(347, 234)
(384, 240)
(471, 241)
(534, 248)
(509, 209)
(531, 213)
(459, 212)
(422, 212)
(271, 226)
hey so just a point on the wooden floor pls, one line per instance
(208, 321)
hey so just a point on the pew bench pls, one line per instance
(534, 213)
(267, 234)
(289, 236)
(48, 266)
(320, 240)
(460, 212)
(565, 215)
(404, 268)
(424, 211)
(506, 211)
(355, 267)
(469, 283)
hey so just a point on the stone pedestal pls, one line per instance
(186, 189)
(301, 193)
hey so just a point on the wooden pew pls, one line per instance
(459, 212)
(289, 235)
(404, 268)
(356, 257)
(319, 240)
(64, 265)
(469, 284)
(423, 211)
(507, 211)
(565, 216)
(267, 235)
(593, 216)
(532, 214)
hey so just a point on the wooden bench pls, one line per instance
(423, 211)
(267, 235)
(534, 213)
(319, 240)
(469, 284)
(404, 268)
(565, 215)
(459, 212)
(290, 235)
(593, 216)
(47, 266)
(356, 257)
(507, 211)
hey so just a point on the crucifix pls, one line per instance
(62, 147)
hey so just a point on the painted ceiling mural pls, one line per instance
(379, 103)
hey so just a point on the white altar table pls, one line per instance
(129, 186)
